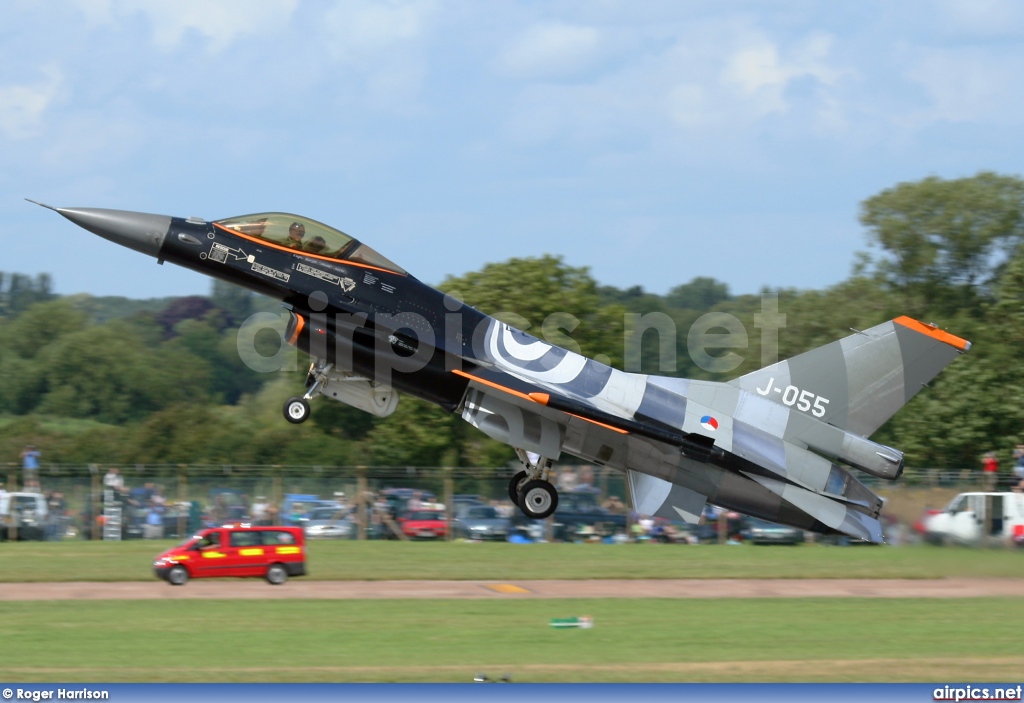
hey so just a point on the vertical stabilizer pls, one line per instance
(859, 382)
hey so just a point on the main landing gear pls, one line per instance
(531, 490)
(296, 409)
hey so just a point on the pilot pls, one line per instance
(316, 245)
(296, 232)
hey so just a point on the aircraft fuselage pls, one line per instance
(768, 444)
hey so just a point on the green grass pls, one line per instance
(351, 560)
(404, 640)
(634, 640)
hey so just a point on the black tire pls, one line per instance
(513, 487)
(538, 499)
(296, 410)
(177, 576)
(276, 574)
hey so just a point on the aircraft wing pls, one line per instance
(532, 418)
(663, 480)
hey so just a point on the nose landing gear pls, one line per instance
(296, 409)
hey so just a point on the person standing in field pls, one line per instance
(990, 471)
(30, 467)
(1018, 468)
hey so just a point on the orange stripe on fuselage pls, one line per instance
(600, 424)
(274, 245)
(492, 384)
(933, 332)
(541, 398)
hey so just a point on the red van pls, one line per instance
(275, 553)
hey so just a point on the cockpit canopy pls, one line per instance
(309, 237)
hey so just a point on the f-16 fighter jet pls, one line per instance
(784, 443)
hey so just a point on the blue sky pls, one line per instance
(649, 141)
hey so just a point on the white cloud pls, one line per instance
(687, 104)
(22, 107)
(982, 18)
(219, 22)
(361, 28)
(761, 74)
(386, 47)
(969, 85)
(711, 78)
(550, 50)
(96, 12)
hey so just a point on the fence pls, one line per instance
(198, 494)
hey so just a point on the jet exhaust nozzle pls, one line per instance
(871, 457)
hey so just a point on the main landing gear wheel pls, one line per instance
(538, 499)
(296, 410)
(513, 487)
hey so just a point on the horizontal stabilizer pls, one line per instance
(825, 510)
(659, 498)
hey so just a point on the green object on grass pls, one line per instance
(585, 622)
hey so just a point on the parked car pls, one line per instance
(398, 498)
(424, 524)
(461, 500)
(297, 507)
(25, 511)
(329, 523)
(760, 531)
(575, 510)
(274, 553)
(480, 522)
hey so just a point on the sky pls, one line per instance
(652, 142)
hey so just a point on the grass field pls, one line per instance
(649, 640)
(350, 560)
(634, 640)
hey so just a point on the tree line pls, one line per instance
(109, 380)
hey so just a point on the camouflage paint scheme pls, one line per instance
(781, 443)
(770, 458)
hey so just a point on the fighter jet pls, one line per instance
(784, 443)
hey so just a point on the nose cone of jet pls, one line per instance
(136, 230)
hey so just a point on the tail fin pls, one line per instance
(859, 382)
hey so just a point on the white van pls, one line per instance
(976, 518)
(29, 515)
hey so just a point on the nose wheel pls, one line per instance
(296, 410)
